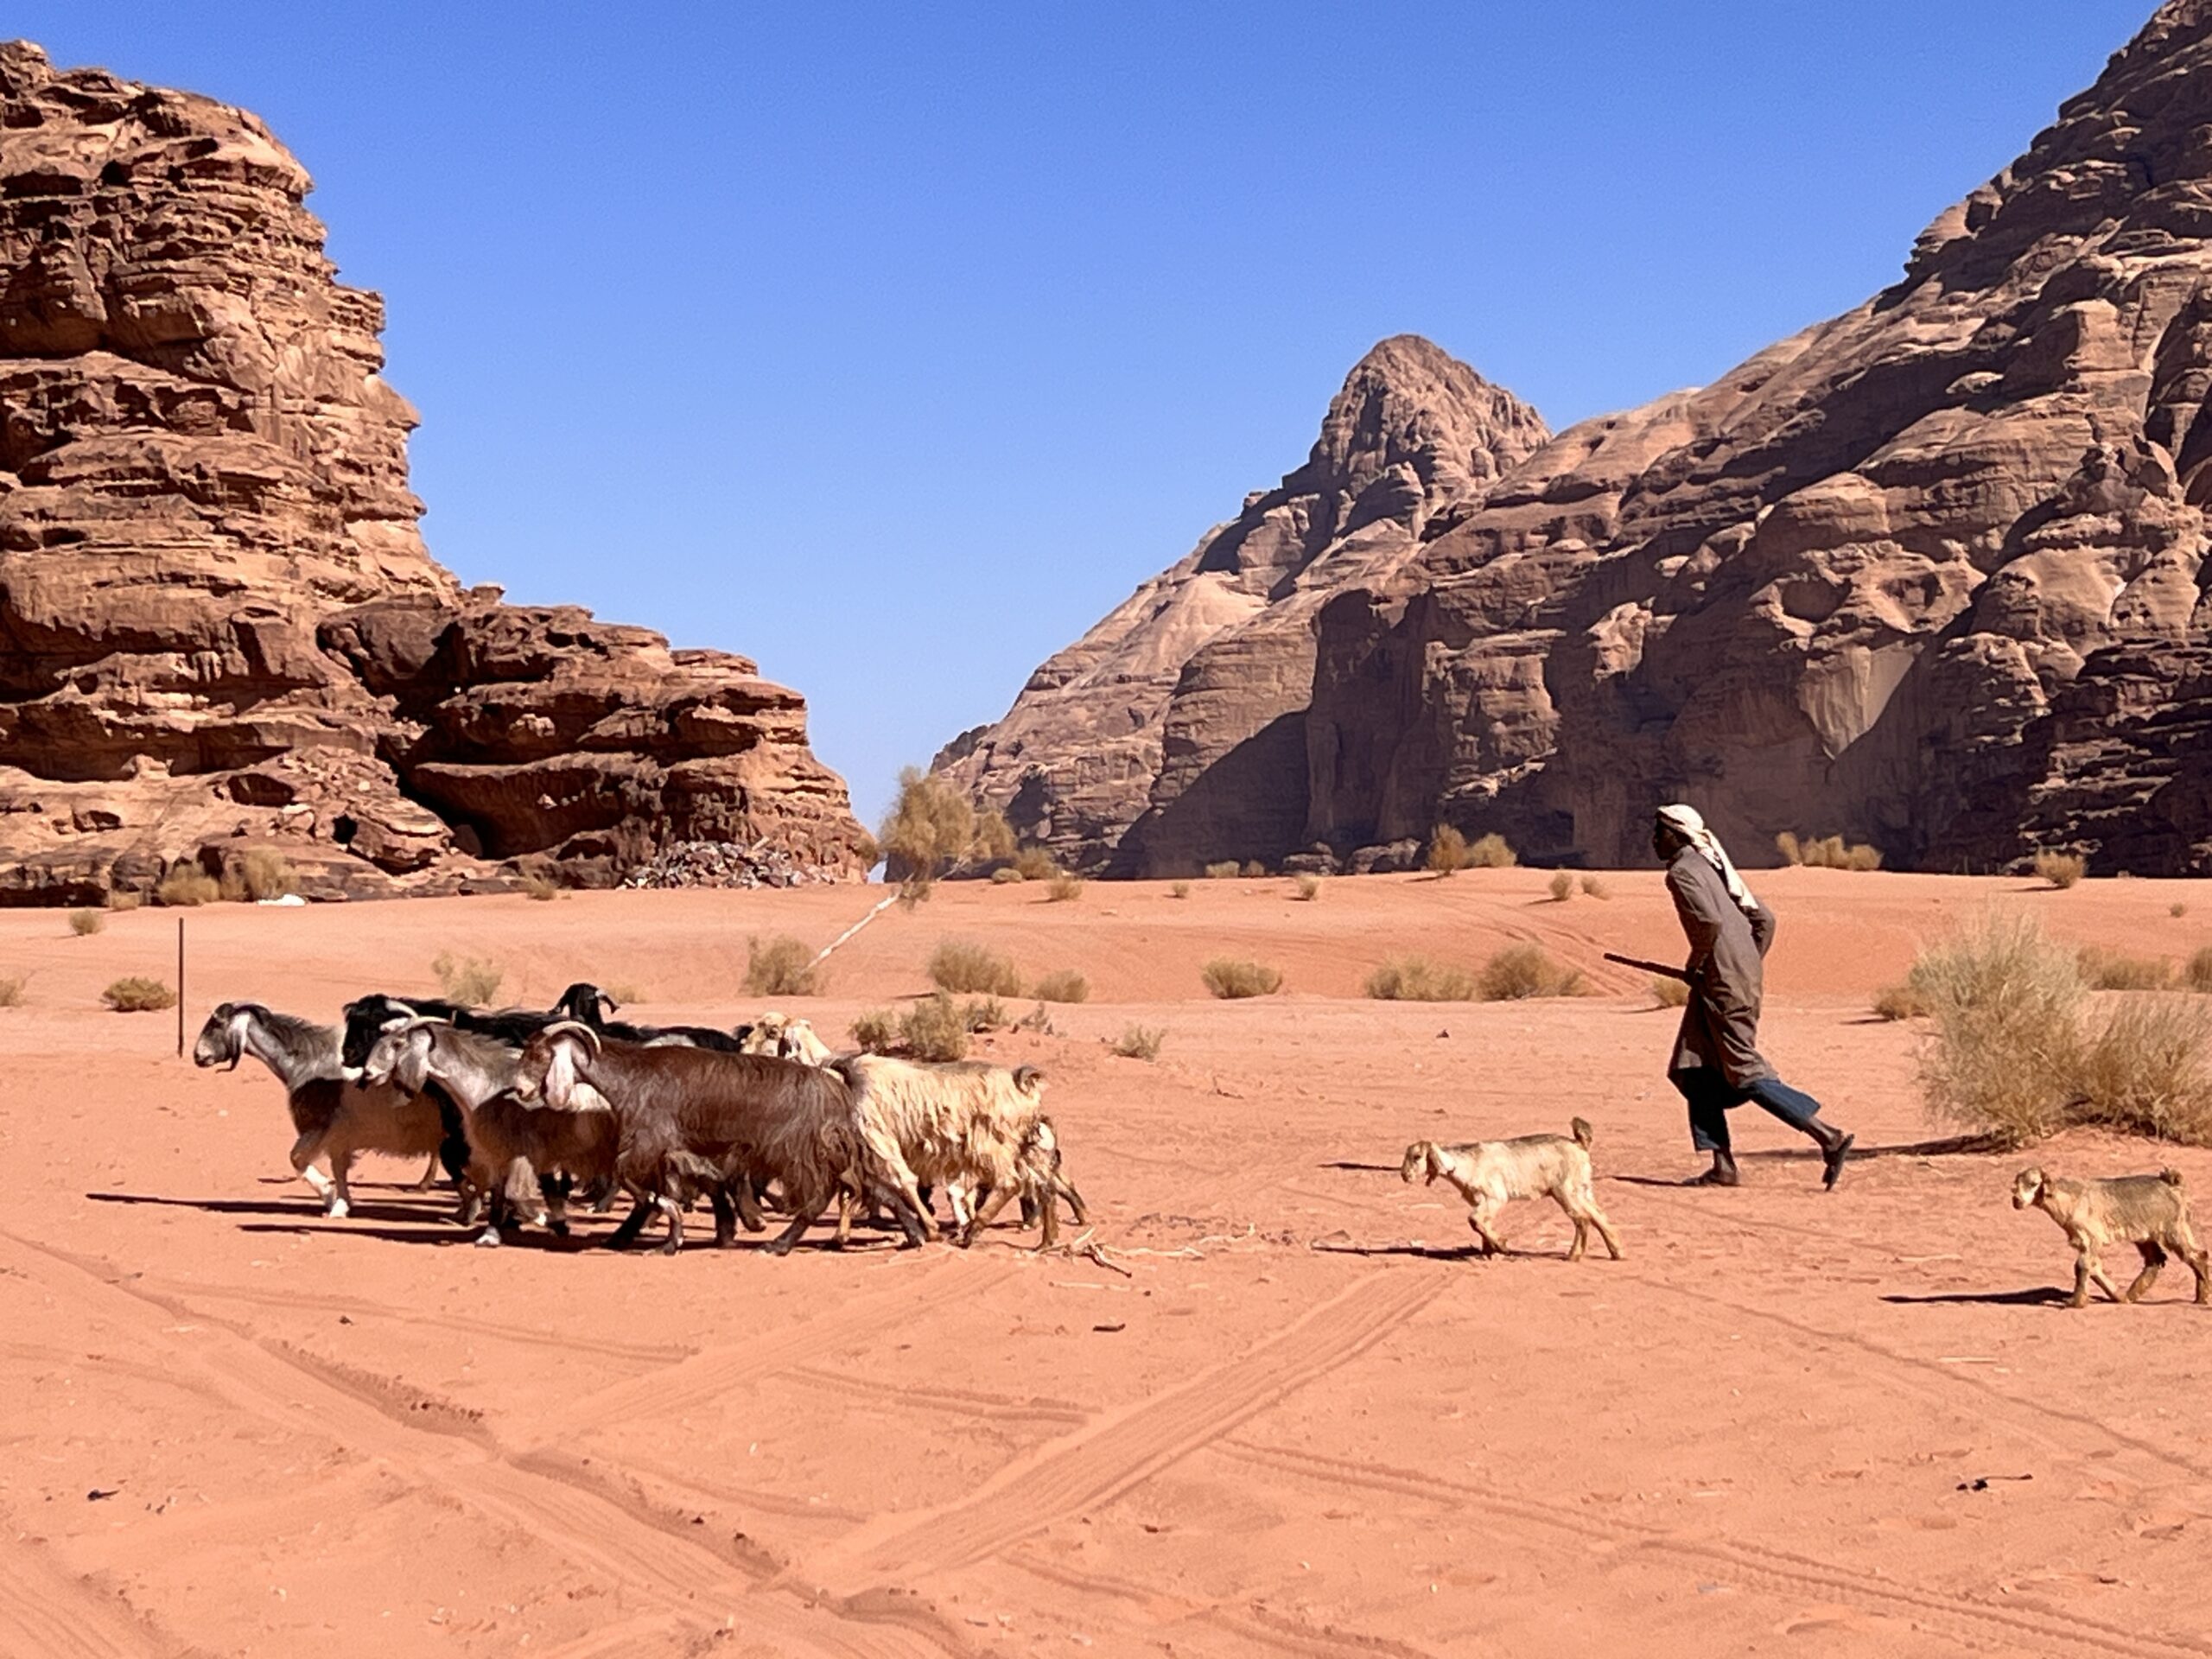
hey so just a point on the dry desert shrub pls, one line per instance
(1491, 852)
(1902, 1000)
(11, 992)
(1562, 887)
(1035, 864)
(2007, 1002)
(186, 885)
(1309, 888)
(985, 1013)
(1447, 850)
(2061, 869)
(2144, 1071)
(123, 899)
(1230, 978)
(1595, 887)
(964, 965)
(1227, 870)
(266, 873)
(1416, 979)
(1140, 1042)
(2115, 970)
(875, 1031)
(781, 966)
(2197, 973)
(537, 885)
(468, 980)
(1178, 890)
(1827, 853)
(1526, 971)
(2178, 911)
(934, 1029)
(82, 922)
(1007, 876)
(1671, 992)
(136, 996)
(1065, 986)
(1063, 888)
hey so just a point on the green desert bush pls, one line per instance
(1065, 986)
(187, 885)
(137, 995)
(1062, 889)
(934, 1028)
(1671, 992)
(875, 1031)
(1447, 850)
(2198, 972)
(964, 965)
(2115, 970)
(1035, 864)
(83, 922)
(781, 966)
(1562, 887)
(1231, 978)
(469, 980)
(1140, 1042)
(2061, 869)
(1416, 979)
(1308, 888)
(1227, 870)
(1007, 876)
(1527, 970)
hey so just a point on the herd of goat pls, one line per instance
(524, 1109)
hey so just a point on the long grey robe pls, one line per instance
(1720, 1026)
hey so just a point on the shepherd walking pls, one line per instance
(1717, 1065)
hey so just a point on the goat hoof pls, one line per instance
(489, 1239)
(338, 1210)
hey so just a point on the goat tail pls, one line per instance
(1029, 1080)
(1584, 1134)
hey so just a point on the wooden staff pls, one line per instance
(1659, 967)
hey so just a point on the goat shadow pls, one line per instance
(2034, 1296)
(303, 1207)
(1436, 1252)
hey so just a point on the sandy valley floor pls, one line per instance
(1299, 1422)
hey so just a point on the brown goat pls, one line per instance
(690, 1116)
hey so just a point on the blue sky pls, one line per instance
(891, 346)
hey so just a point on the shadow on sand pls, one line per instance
(2035, 1296)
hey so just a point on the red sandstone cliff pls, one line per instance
(219, 624)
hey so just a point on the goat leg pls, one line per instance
(2153, 1259)
(1065, 1188)
(430, 1176)
(674, 1211)
(633, 1223)
(802, 1218)
(725, 1216)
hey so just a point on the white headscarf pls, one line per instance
(1691, 823)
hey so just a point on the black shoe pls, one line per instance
(1723, 1173)
(1831, 1156)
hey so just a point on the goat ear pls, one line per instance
(607, 1005)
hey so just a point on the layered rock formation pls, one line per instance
(218, 624)
(1929, 574)
(1179, 721)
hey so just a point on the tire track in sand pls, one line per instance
(47, 1612)
(536, 1498)
(1967, 1619)
(1124, 1448)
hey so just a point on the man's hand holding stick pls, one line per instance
(1658, 968)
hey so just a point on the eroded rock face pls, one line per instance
(218, 624)
(1178, 723)
(1930, 574)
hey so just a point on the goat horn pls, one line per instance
(565, 1027)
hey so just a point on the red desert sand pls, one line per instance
(1291, 1417)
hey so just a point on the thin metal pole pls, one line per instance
(180, 988)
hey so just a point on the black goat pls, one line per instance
(589, 1005)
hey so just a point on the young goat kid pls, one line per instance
(2149, 1211)
(1490, 1174)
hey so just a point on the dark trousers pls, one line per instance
(1711, 1097)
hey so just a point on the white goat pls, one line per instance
(1490, 1174)
(965, 1126)
(2149, 1211)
